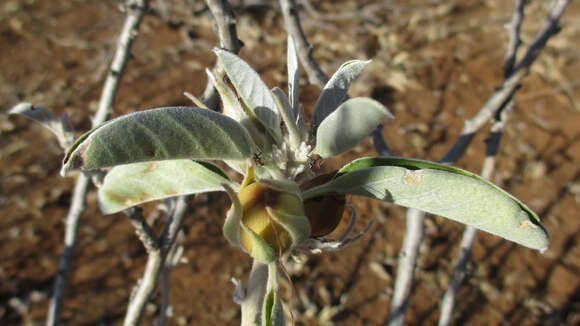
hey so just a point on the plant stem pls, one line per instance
(255, 292)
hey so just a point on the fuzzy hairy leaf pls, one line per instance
(272, 311)
(293, 74)
(348, 125)
(61, 128)
(160, 134)
(335, 90)
(252, 90)
(128, 185)
(439, 189)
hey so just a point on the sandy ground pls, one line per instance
(434, 66)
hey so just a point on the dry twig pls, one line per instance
(156, 260)
(495, 103)
(228, 36)
(448, 301)
(135, 11)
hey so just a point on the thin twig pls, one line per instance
(226, 24)
(156, 260)
(315, 74)
(379, 143)
(228, 36)
(406, 266)
(78, 205)
(143, 230)
(448, 301)
(504, 93)
(549, 30)
(514, 38)
(501, 97)
(135, 11)
(171, 261)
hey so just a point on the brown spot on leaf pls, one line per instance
(151, 167)
(127, 199)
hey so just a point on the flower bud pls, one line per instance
(255, 200)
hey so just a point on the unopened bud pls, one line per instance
(255, 198)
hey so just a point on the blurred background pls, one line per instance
(434, 65)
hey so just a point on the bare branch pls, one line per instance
(228, 36)
(315, 74)
(497, 102)
(514, 38)
(226, 24)
(78, 205)
(549, 30)
(470, 232)
(171, 261)
(379, 143)
(504, 93)
(156, 260)
(143, 230)
(135, 11)
(406, 266)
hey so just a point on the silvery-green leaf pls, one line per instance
(160, 134)
(252, 90)
(439, 189)
(61, 128)
(231, 105)
(232, 224)
(238, 166)
(293, 74)
(128, 185)
(301, 123)
(298, 227)
(233, 109)
(287, 116)
(196, 101)
(335, 91)
(272, 311)
(348, 125)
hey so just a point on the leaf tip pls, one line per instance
(21, 107)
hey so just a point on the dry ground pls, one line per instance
(434, 66)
